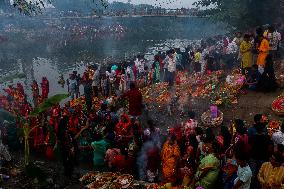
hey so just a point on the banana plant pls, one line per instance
(26, 134)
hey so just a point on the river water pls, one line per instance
(46, 46)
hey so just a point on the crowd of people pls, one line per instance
(186, 154)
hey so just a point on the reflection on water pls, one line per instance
(70, 44)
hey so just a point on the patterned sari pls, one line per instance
(170, 155)
(245, 50)
(156, 75)
(208, 162)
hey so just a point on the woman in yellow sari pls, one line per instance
(245, 50)
(263, 51)
(170, 157)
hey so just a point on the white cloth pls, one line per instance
(274, 39)
(139, 65)
(244, 175)
(96, 79)
(170, 64)
(278, 137)
(232, 48)
(204, 53)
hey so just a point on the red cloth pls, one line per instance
(134, 97)
(123, 127)
(45, 88)
(153, 156)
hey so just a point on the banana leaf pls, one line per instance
(48, 103)
(12, 77)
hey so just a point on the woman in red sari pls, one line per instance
(123, 130)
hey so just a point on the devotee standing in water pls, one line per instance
(44, 88)
(72, 86)
(35, 91)
(88, 92)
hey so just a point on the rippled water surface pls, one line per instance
(51, 46)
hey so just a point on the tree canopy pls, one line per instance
(243, 14)
(238, 14)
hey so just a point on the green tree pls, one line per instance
(243, 14)
(34, 7)
(30, 7)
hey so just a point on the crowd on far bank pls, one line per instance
(187, 154)
(254, 53)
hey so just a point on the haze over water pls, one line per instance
(51, 46)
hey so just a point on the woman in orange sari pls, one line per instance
(263, 51)
(170, 157)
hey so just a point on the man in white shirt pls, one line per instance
(139, 63)
(278, 137)
(96, 81)
(72, 86)
(244, 173)
(170, 67)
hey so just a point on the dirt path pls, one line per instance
(251, 104)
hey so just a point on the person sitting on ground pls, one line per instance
(253, 77)
(252, 131)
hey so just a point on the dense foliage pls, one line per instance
(240, 14)
(30, 7)
(34, 7)
(243, 14)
